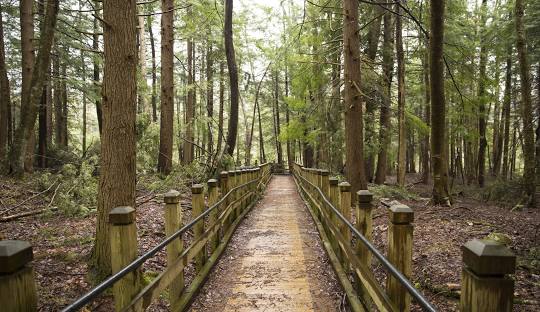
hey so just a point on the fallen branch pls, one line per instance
(26, 214)
(28, 199)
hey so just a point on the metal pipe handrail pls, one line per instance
(395, 272)
(96, 291)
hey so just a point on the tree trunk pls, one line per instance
(42, 129)
(27, 62)
(538, 125)
(154, 70)
(210, 96)
(526, 107)
(167, 88)
(64, 123)
(482, 98)
(427, 112)
(190, 104)
(402, 132)
(5, 97)
(84, 126)
(279, 149)
(118, 143)
(354, 139)
(221, 106)
(506, 111)
(95, 46)
(141, 96)
(233, 77)
(29, 111)
(384, 121)
(441, 194)
(497, 126)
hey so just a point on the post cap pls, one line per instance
(487, 257)
(223, 174)
(212, 183)
(171, 197)
(333, 181)
(14, 254)
(231, 173)
(122, 215)
(345, 186)
(325, 172)
(401, 214)
(364, 196)
(197, 188)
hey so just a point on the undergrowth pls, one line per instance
(392, 192)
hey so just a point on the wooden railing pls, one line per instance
(212, 225)
(486, 285)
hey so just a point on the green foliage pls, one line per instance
(147, 143)
(393, 192)
(505, 192)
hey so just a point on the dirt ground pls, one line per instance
(62, 244)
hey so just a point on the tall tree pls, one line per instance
(118, 146)
(5, 97)
(354, 139)
(210, 95)
(95, 46)
(506, 111)
(167, 88)
(402, 133)
(154, 70)
(441, 194)
(482, 96)
(190, 103)
(233, 77)
(384, 119)
(29, 111)
(526, 106)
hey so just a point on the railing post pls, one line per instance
(197, 204)
(17, 286)
(325, 186)
(245, 190)
(333, 190)
(233, 196)
(345, 208)
(364, 224)
(123, 237)
(485, 285)
(173, 222)
(224, 185)
(400, 234)
(213, 198)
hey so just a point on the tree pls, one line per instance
(402, 136)
(233, 77)
(441, 194)
(526, 107)
(5, 97)
(354, 140)
(118, 149)
(29, 110)
(167, 88)
(482, 98)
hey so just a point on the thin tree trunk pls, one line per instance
(42, 130)
(167, 88)
(441, 194)
(27, 62)
(221, 106)
(154, 70)
(190, 104)
(118, 146)
(482, 98)
(506, 111)
(84, 126)
(279, 149)
(354, 139)
(384, 121)
(497, 125)
(64, 124)
(29, 112)
(526, 107)
(402, 132)
(233, 77)
(427, 112)
(141, 96)
(261, 137)
(95, 46)
(210, 96)
(5, 98)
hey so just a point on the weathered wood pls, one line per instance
(123, 252)
(400, 235)
(197, 203)
(333, 190)
(213, 197)
(485, 283)
(364, 224)
(173, 222)
(345, 208)
(17, 285)
(224, 186)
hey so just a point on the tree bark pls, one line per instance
(221, 106)
(5, 97)
(154, 70)
(167, 88)
(427, 112)
(279, 150)
(141, 96)
(384, 121)
(441, 194)
(190, 104)
(354, 139)
(482, 98)
(402, 131)
(210, 96)
(526, 107)
(233, 77)
(27, 62)
(29, 111)
(95, 46)
(506, 111)
(118, 143)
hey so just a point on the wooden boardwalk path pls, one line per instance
(275, 261)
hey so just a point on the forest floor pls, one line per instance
(62, 244)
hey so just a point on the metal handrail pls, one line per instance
(96, 291)
(395, 272)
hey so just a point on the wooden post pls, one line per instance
(364, 224)
(485, 284)
(333, 190)
(123, 252)
(325, 186)
(213, 198)
(243, 180)
(173, 222)
(234, 194)
(224, 185)
(345, 207)
(197, 204)
(400, 233)
(17, 286)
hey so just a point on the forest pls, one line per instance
(431, 104)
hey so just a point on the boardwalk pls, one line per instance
(275, 261)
